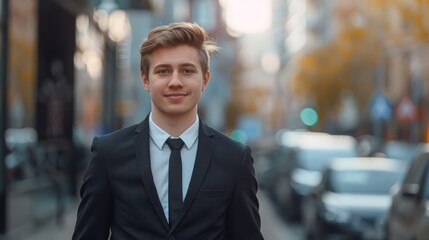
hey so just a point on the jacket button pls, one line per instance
(171, 238)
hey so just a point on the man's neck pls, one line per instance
(174, 125)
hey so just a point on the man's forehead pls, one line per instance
(171, 50)
(182, 55)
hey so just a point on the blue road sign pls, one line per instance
(380, 108)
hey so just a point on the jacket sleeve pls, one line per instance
(94, 212)
(243, 215)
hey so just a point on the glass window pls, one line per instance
(378, 182)
(318, 159)
(416, 171)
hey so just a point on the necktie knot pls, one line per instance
(175, 143)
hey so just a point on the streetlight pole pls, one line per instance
(3, 112)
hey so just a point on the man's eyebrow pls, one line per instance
(162, 65)
(188, 65)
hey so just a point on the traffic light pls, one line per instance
(309, 116)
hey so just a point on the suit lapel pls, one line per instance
(143, 160)
(202, 161)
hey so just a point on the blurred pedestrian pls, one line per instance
(142, 184)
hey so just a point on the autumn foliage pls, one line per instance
(345, 64)
(348, 63)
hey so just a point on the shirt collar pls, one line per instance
(159, 136)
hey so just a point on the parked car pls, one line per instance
(400, 150)
(307, 155)
(267, 161)
(352, 199)
(408, 216)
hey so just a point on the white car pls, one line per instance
(352, 199)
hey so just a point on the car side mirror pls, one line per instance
(410, 190)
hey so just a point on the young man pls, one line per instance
(132, 191)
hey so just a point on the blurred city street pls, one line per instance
(53, 230)
(332, 96)
(273, 226)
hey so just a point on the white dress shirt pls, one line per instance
(160, 155)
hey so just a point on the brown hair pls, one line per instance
(175, 34)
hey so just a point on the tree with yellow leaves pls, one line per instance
(344, 65)
(349, 62)
(412, 19)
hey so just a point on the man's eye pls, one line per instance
(162, 71)
(188, 71)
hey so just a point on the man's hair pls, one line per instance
(175, 34)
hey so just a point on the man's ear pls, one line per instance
(145, 81)
(206, 79)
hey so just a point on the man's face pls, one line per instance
(175, 81)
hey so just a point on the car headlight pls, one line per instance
(337, 215)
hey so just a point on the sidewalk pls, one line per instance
(52, 230)
(272, 226)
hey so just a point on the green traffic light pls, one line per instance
(309, 116)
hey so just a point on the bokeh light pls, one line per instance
(309, 116)
(248, 16)
(239, 135)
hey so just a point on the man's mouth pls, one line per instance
(176, 96)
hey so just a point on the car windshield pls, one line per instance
(318, 159)
(376, 182)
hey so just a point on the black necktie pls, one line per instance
(174, 179)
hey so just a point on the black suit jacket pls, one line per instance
(119, 198)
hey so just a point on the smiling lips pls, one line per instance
(176, 96)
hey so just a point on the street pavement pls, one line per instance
(52, 230)
(273, 227)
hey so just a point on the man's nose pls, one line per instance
(175, 80)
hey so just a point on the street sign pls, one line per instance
(406, 111)
(380, 108)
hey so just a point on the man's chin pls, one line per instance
(178, 111)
